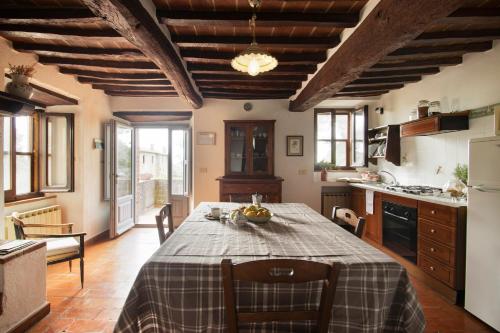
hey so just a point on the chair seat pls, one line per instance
(61, 247)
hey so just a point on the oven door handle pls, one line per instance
(396, 216)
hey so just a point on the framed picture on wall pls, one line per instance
(206, 138)
(294, 145)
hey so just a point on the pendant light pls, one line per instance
(254, 60)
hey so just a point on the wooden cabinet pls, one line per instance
(373, 226)
(249, 162)
(384, 142)
(445, 122)
(249, 148)
(441, 243)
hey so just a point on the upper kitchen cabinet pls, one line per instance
(384, 142)
(441, 123)
(249, 148)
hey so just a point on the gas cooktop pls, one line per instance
(415, 189)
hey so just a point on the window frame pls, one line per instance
(38, 187)
(350, 136)
(10, 195)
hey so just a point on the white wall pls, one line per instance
(84, 207)
(208, 161)
(473, 84)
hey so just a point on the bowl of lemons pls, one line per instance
(257, 214)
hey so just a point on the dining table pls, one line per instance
(179, 289)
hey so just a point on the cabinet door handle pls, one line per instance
(432, 268)
(432, 249)
(433, 231)
(433, 212)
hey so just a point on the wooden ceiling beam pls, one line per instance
(133, 21)
(377, 81)
(194, 41)
(265, 19)
(223, 69)
(55, 32)
(122, 82)
(388, 27)
(407, 64)
(116, 87)
(373, 88)
(141, 93)
(357, 95)
(461, 48)
(97, 63)
(247, 92)
(401, 72)
(30, 15)
(475, 15)
(458, 36)
(247, 78)
(250, 85)
(201, 56)
(108, 75)
(244, 97)
(75, 50)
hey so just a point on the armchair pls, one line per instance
(61, 247)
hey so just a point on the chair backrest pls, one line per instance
(165, 213)
(18, 226)
(349, 216)
(279, 271)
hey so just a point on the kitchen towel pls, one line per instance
(369, 202)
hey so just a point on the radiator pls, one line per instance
(46, 215)
(331, 196)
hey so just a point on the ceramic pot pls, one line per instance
(19, 86)
(324, 175)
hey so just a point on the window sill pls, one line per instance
(30, 200)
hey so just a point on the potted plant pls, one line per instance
(20, 75)
(325, 166)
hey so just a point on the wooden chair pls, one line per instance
(61, 247)
(165, 212)
(279, 271)
(347, 219)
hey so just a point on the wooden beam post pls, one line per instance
(133, 22)
(390, 25)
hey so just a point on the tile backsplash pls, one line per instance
(431, 160)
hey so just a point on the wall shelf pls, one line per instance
(384, 143)
(441, 123)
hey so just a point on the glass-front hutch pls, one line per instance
(249, 161)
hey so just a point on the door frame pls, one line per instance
(111, 145)
(170, 128)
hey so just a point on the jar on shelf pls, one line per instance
(423, 108)
(434, 108)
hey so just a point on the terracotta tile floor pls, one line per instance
(112, 266)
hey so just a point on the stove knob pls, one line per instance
(406, 214)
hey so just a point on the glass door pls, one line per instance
(260, 151)
(238, 150)
(122, 169)
(180, 173)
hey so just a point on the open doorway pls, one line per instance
(162, 164)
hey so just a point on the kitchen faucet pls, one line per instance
(395, 181)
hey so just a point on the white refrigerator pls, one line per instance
(482, 279)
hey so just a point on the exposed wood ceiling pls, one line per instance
(471, 28)
(208, 34)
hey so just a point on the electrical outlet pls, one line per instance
(203, 170)
(302, 172)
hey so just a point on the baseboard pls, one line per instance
(98, 238)
(31, 320)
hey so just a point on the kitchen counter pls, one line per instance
(437, 200)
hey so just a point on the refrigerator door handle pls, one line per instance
(483, 188)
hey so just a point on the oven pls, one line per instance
(399, 229)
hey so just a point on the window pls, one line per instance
(28, 173)
(340, 137)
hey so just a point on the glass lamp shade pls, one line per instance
(254, 61)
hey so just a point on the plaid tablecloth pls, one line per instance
(179, 289)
